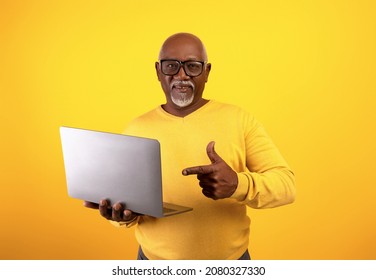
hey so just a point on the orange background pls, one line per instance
(305, 69)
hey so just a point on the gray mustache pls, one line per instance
(182, 83)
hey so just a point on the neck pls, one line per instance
(184, 111)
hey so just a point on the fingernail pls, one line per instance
(185, 173)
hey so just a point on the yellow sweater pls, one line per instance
(215, 229)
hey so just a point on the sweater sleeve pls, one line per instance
(268, 182)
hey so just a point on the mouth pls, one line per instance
(182, 86)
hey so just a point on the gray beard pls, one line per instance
(182, 99)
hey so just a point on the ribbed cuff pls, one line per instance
(128, 224)
(243, 188)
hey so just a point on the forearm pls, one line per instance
(272, 188)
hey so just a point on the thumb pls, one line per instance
(212, 154)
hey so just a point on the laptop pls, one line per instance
(120, 168)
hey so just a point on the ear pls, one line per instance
(207, 71)
(157, 70)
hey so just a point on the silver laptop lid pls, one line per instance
(117, 167)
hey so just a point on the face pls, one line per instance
(181, 90)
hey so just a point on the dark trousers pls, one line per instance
(141, 255)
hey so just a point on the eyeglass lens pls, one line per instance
(172, 67)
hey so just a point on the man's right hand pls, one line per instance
(116, 213)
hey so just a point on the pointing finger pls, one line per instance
(204, 169)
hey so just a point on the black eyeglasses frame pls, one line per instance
(182, 64)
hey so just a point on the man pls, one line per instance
(234, 162)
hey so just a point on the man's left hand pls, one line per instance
(217, 179)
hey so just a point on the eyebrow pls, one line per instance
(188, 59)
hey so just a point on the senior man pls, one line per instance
(234, 161)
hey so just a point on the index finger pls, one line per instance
(203, 169)
(91, 205)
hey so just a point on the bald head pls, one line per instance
(189, 43)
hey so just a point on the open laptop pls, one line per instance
(117, 167)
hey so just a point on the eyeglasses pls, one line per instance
(191, 68)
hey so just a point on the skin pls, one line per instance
(183, 46)
(217, 179)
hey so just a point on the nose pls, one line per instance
(181, 75)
